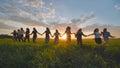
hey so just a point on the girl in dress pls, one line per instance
(79, 35)
(56, 39)
(47, 33)
(68, 34)
(34, 32)
(27, 36)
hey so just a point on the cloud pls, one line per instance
(21, 10)
(37, 13)
(74, 23)
(117, 7)
(4, 25)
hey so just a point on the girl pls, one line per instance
(79, 35)
(18, 35)
(34, 32)
(22, 34)
(56, 39)
(27, 36)
(68, 34)
(106, 35)
(97, 36)
(47, 33)
(14, 35)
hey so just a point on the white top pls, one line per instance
(22, 32)
(97, 35)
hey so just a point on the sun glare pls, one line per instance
(64, 36)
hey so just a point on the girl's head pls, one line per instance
(27, 29)
(80, 30)
(21, 28)
(96, 30)
(68, 28)
(56, 31)
(18, 30)
(34, 29)
(47, 29)
(14, 30)
(105, 30)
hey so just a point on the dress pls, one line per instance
(79, 38)
(56, 40)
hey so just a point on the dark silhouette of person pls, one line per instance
(27, 35)
(14, 35)
(47, 33)
(79, 35)
(56, 35)
(18, 35)
(34, 32)
(22, 34)
(97, 36)
(68, 34)
(106, 35)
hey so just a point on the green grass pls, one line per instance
(41, 55)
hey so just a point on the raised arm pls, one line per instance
(39, 33)
(73, 33)
(11, 33)
(43, 33)
(84, 35)
(31, 33)
(50, 34)
(63, 33)
(53, 35)
(60, 34)
(111, 36)
(90, 34)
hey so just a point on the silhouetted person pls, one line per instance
(79, 35)
(34, 32)
(14, 35)
(68, 34)
(56, 39)
(97, 36)
(106, 35)
(27, 36)
(22, 34)
(47, 33)
(18, 35)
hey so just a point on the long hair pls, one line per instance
(68, 29)
(80, 30)
(34, 29)
(27, 29)
(57, 31)
(48, 30)
(96, 30)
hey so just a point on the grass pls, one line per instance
(41, 55)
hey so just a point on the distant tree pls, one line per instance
(5, 36)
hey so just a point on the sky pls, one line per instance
(58, 14)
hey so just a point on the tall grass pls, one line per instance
(41, 55)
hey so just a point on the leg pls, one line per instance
(98, 40)
(28, 38)
(80, 42)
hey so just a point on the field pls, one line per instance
(41, 55)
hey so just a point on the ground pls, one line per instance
(40, 55)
